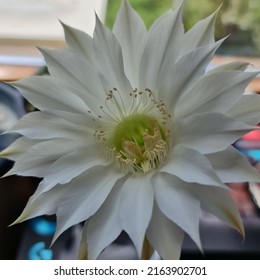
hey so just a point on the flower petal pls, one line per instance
(178, 76)
(80, 42)
(255, 193)
(201, 34)
(191, 166)
(47, 93)
(84, 195)
(136, 208)
(130, 32)
(231, 166)
(44, 125)
(219, 202)
(80, 77)
(18, 148)
(164, 235)
(104, 227)
(109, 60)
(36, 160)
(234, 65)
(87, 121)
(177, 203)
(246, 109)
(163, 42)
(209, 132)
(45, 204)
(208, 95)
(62, 171)
(83, 246)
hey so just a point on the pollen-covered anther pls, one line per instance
(135, 134)
(143, 158)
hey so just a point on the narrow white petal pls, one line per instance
(178, 76)
(104, 226)
(163, 41)
(202, 33)
(84, 196)
(164, 235)
(44, 125)
(234, 65)
(109, 59)
(36, 160)
(83, 246)
(231, 166)
(246, 109)
(191, 166)
(255, 192)
(209, 95)
(219, 202)
(46, 204)
(18, 147)
(130, 32)
(71, 165)
(136, 208)
(80, 42)
(209, 132)
(78, 75)
(47, 93)
(177, 203)
(86, 122)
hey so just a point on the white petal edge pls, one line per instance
(49, 93)
(104, 226)
(202, 33)
(109, 60)
(164, 235)
(209, 132)
(177, 203)
(191, 166)
(84, 195)
(246, 109)
(163, 40)
(80, 42)
(231, 166)
(177, 76)
(209, 95)
(219, 202)
(130, 32)
(136, 208)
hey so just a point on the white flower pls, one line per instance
(133, 134)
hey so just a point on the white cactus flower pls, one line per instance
(133, 134)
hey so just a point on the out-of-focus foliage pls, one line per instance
(149, 10)
(246, 15)
(239, 18)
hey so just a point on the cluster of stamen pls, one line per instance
(136, 136)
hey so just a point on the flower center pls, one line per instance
(140, 143)
(138, 139)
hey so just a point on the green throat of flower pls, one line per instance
(138, 143)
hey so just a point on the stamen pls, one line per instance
(135, 135)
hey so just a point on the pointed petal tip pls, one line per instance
(180, 4)
(147, 250)
(240, 228)
(19, 220)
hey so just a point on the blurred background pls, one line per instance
(239, 18)
(25, 24)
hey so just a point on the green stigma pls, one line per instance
(132, 128)
(140, 143)
(135, 134)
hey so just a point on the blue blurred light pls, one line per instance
(38, 252)
(255, 154)
(42, 226)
